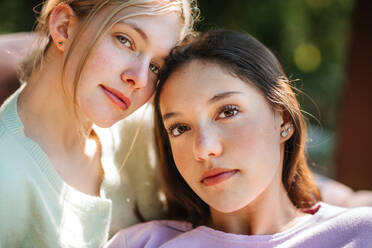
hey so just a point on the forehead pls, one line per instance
(164, 29)
(198, 81)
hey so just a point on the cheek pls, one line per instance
(102, 60)
(179, 157)
(257, 143)
(142, 96)
(106, 60)
(149, 91)
(243, 136)
(182, 156)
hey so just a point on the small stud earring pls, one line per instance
(60, 42)
(284, 134)
(289, 129)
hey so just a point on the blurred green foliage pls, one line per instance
(17, 15)
(310, 38)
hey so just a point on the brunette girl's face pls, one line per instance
(224, 135)
(122, 69)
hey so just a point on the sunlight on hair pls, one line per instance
(162, 196)
(138, 129)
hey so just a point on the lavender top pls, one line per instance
(330, 226)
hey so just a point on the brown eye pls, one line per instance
(178, 129)
(228, 111)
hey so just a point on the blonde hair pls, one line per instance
(86, 11)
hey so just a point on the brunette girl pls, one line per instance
(231, 139)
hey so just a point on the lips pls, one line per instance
(217, 175)
(116, 97)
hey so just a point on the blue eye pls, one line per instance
(155, 69)
(124, 41)
(228, 111)
(178, 129)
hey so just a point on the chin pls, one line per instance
(103, 125)
(229, 207)
(106, 119)
(224, 208)
(105, 122)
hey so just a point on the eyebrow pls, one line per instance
(215, 98)
(223, 95)
(170, 115)
(137, 29)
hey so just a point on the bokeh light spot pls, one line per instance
(307, 57)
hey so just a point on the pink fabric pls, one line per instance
(329, 227)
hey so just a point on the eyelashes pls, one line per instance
(154, 69)
(224, 113)
(177, 129)
(125, 41)
(228, 111)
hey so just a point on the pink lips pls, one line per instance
(116, 97)
(217, 175)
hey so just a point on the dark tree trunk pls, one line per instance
(354, 153)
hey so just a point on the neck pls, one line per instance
(48, 113)
(269, 213)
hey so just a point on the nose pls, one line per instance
(207, 144)
(137, 75)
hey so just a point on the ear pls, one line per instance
(62, 22)
(286, 128)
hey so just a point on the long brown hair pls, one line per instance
(248, 59)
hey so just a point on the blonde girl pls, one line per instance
(96, 62)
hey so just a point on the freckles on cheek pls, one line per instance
(100, 58)
(103, 58)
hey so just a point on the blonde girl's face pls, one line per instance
(122, 69)
(224, 136)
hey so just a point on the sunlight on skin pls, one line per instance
(90, 148)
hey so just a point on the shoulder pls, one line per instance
(15, 163)
(355, 215)
(7, 140)
(10, 124)
(13, 154)
(2, 131)
(360, 217)
(352, 222)
(149, 234)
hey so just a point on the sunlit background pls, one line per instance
(311, 38)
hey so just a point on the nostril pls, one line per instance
(127, 79)
(131, 81)
(136, 81)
